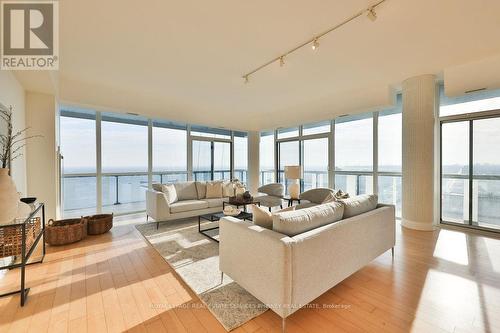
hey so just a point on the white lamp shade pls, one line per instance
(293, 172)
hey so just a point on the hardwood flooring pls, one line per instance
(442, 281)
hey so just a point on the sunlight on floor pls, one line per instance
(452, 246)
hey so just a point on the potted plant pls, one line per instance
(11, 144)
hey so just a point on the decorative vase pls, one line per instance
(247, 196)
(9, 198)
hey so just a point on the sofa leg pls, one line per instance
(147, 218)
(281, 206)
(221, 277)
(157, 225)
(392, 252)
(283, 325)
(269, 208)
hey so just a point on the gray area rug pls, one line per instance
(196, 259)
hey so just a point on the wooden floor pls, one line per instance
(443, 281)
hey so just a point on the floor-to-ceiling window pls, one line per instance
(354, 154)
(315, 163)
(390, 158)
(266, 158)
(78, 163)
(109, 160)
(240, 156)
(289, 154)
(169, 139)
(124, 142)
(470, 164)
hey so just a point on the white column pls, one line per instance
(419, 114)
(253, 161)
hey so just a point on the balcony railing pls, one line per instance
(123, 192)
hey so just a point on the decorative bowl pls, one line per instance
(232, 211)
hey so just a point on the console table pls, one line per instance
(28, 233)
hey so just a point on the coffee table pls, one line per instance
(233, 201)
(215, 217)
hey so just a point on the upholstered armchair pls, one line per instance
(316, 196)
(271, 195)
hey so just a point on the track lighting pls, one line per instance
(372, 15)
(315, 44)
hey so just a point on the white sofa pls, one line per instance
(190, 202)
(287, 272)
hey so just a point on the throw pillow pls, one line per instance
(158, 187)
(227, 189)
(201, 189)
(170, 193)
(359, 204)
(262, 217)
(296, 222)
(214, 190)
(186, 191)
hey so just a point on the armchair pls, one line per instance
(271, 195)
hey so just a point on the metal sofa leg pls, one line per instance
(392, 251)
(283, 325)
(147, 217)
(221, 277)
(281, 206)
(269, 208)
(157, 225)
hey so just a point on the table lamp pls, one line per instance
(293, 173)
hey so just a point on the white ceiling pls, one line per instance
(183, 60)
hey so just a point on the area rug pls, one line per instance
(195, 258)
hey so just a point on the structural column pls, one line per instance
(253, 161)
(419, 113)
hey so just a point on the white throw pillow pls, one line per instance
(214, 190)
(170, 192)
(359, 204)
(228, 189)
(299, 221)
(264, 218)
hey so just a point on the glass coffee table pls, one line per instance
(215, 217)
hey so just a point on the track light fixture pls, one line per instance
(314, 42)
(372, 15)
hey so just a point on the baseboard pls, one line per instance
(422, 226)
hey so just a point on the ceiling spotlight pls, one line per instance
(315, 44)
(282, 61)
(372, 15)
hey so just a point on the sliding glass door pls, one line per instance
(470, 172)
(211, 160)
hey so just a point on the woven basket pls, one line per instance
(67, 231)
(99, 224)
(11, 237)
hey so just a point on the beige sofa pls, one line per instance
(190, 201)
(287, 272)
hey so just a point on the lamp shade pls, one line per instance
(293, 172)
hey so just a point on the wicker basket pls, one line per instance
(11, 237)
(99, 224)
(67, 231)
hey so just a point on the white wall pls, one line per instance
(13, 94)
(41, 153)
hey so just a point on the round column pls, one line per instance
(419, 112)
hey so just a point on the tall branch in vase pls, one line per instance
(11, 144)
